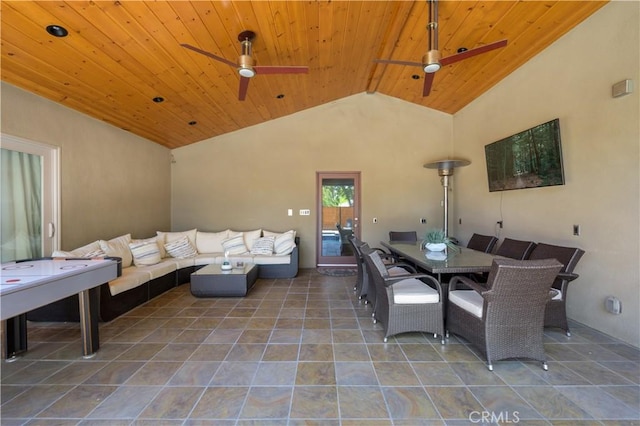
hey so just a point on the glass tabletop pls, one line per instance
(447, 262)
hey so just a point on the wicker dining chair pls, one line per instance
(483, 243)
(505, 319)
(393, 267)
(409, 303)
(360, 287)
(403, 236)
(515, 249)
(556, 313)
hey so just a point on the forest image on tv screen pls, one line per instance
(528, 159)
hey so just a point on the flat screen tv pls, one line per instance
(529, 159)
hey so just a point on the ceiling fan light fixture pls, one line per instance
(431, 61)
(246, 66)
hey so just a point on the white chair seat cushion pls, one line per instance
(413, 291)
(396, 271)
(469, 300)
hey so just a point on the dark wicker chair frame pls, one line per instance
(368, 291)
(515, 249)
(513, 310)
(404, 318)
(556, 313)
(403, 236)
(363, 288)
(484, 243)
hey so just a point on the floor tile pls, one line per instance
(304, 351)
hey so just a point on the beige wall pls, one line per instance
(248, 179)
(112, 182)
(570, 80)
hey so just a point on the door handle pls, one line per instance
(52, 229)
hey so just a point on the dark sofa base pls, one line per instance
(111, 307)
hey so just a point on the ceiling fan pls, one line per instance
(431, 61)
(246, 65)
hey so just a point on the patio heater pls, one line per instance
(445, 170)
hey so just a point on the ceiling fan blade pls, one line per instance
(244, 85)
(389, 61)
(472, 52)
(275, 69)
(428, 82)
(210, 55)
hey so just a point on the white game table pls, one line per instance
(30, 284)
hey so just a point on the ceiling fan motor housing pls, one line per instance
(245, 66)
(431, 61)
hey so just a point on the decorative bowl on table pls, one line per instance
(436, 255)
(435, 246)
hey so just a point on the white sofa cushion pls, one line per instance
(206, 258)
(145, 252)
(181, 248)
(469, 300)
(180, 263)
(284, 242)
(263, 246)
(235, 245)
(159, 269)
(250, 237)
(118, 247)
(271, 259)
(413, 291)
(130, 278)
(167, 237)
(210, 242)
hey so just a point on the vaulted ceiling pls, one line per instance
(120, 55)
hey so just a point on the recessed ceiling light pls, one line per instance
(280, 96)
(158, 99)
(57, 31)
(193, 123)
(415, 77)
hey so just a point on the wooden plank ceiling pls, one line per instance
(119, 55)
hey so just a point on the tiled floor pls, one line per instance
(304, 351)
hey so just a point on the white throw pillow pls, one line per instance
(167, 237)
(84, 250)
(263, 246)
(145, 252)
(250, 238)
(118, 247)
(210, 242)
(181, 248)
(284, 242)
(235, 245)
(60, 253)
(74, 254)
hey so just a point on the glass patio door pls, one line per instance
(338, 213)
(28, 199)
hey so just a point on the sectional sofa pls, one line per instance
(154, 265)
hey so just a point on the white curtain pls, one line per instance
(21, 205)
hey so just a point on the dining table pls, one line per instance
(461, 260)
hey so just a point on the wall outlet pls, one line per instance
(423, 220)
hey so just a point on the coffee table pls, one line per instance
(212, 281)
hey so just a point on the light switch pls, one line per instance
(290, 212)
